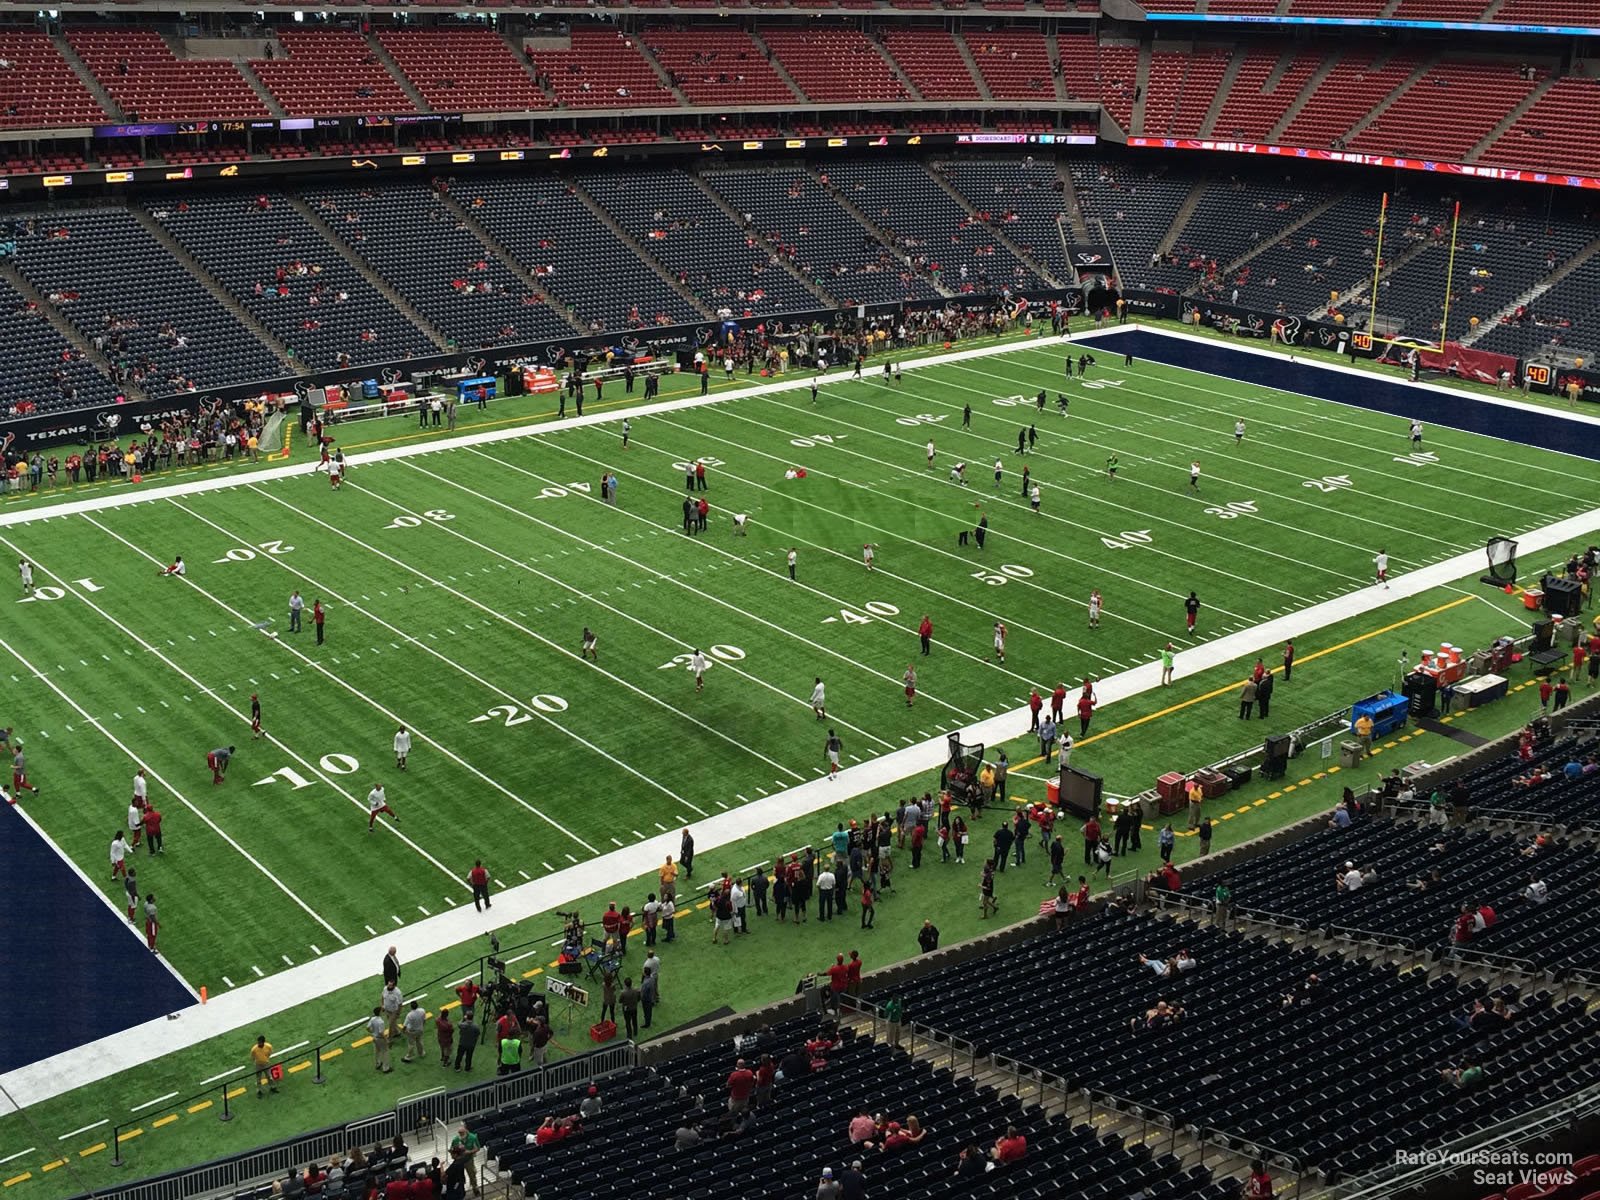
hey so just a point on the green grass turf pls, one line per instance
(1186, 724)
(458, 584)
(436, 620)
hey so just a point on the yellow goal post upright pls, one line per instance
(1403, 342)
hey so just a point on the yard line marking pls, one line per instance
(638, 835)
(571, 859)
(105, 1121)
(290, 1049)
(18, 1154)
(396, 919)
(525, 875)
(548, 867)
(616, 841)
(227, 981)
(325, 776)
(145, 1105)
(371, 930)
(426, 913)
(315, 951)
(287, 959)
(260, 974)
(829, 651)
(530, 953)
(138, 760)
(228, 1074)
(678, 642)
(543, 816)
(720, 805)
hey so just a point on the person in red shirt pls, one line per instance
(703, 509)
(1260, 1185)
(853, 978)
(1579, 653)
(610, 920)
(467, 993)
(553, 1130)
(919, 835)
(838, 980)
(1091, 839)
(1086, 703)
(317, 617)
(741, 1083)
(152, 829)
(1035, 703)
(1257, 671)
(478, 877)
(766, 1075)
(925, 632)
(1011, 1147)
(1058, 701)
(507, 1026)
(1545, 688)
(1081, 896)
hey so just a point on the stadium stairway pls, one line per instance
(1528, 297)
(894, 67)
(1423, 66)
(1392, 264)
(1511, 118)
(1297, 105)
(972, 65)
(86, 77)
(503, 252)
(644, 257)
(1180, 219)
(1266, 243)
(734, 215)
(649, 56)
(381, 53)
(872, 227)
(1072, 205)
(998, 231)
(220, 294)
(1224, 88)
(359, 265)
(776, 64)
(75, 339)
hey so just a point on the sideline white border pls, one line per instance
(256, 1003)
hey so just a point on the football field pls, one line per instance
(458, 583)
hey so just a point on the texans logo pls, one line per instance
(303, 390)
(479, 365)
(630, 344)
(1189, 309)
(702, 335)
(1074, 302)
(391, 375)
(555, 353)
(1327, 336)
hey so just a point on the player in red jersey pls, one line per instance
(19, 773)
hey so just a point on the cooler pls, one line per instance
(1212, 783)
(1170, 787)
(1052, 793)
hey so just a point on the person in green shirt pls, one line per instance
(464, 1146)
(510, 1055)
(1167, 657)
(1111, 467)
(1223, 900)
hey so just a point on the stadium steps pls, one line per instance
(1528, 297)
(1515, 115)
(515, 45)
(1299, 102)
(338, 246)
(503, 252)
(1141, 86)
(999, 233)
(1225, 86)
(1364, 289)
(1058, 78)
(1071, 205)
(876, 230)
(894, 68)
(635, 245)
(649, 57)
(86, 77)
(1424, 65)
(381, 53)
(75, 339)
(972, 68)
(1388, 9)
(220, 294)
(262, 91)
(1180, 219)
(1494, 7)
(737, 218)
(1277, 235)
(778, 68)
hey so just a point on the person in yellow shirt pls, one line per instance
(261, 1060)
(1364, 733)
(254, 443)
(986, 782)
(669, 879)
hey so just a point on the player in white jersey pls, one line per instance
(1094, 609)
(402, 746)
(1238, 432)
(958, 474)
(868, 553)
(1381, 561)
(697, 664)
(819, 700)
(177, 568)
(378, 802)
(1000, 640)
(931, 452)
(1194, 477)
(999, 470)
(25, 570)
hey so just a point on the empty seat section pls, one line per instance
(422, 249)
(576, 258)
(157, 321)
(1446, 112)
(1257, 100)
(602, 69)
(697, 244)
(1346, 95)
(1558, 132)
(1182, 86)
(333, 73)
(796, 213)
(720, 68)
(40, 367)
(1015, 63)
(142, 74)
(1020, 196)
(1137, 209)
(464, 70)
(834, 63)
(282, 269)
(932, 61)
(40, 87)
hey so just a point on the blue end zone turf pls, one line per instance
(1512, 422)
(71, 969)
